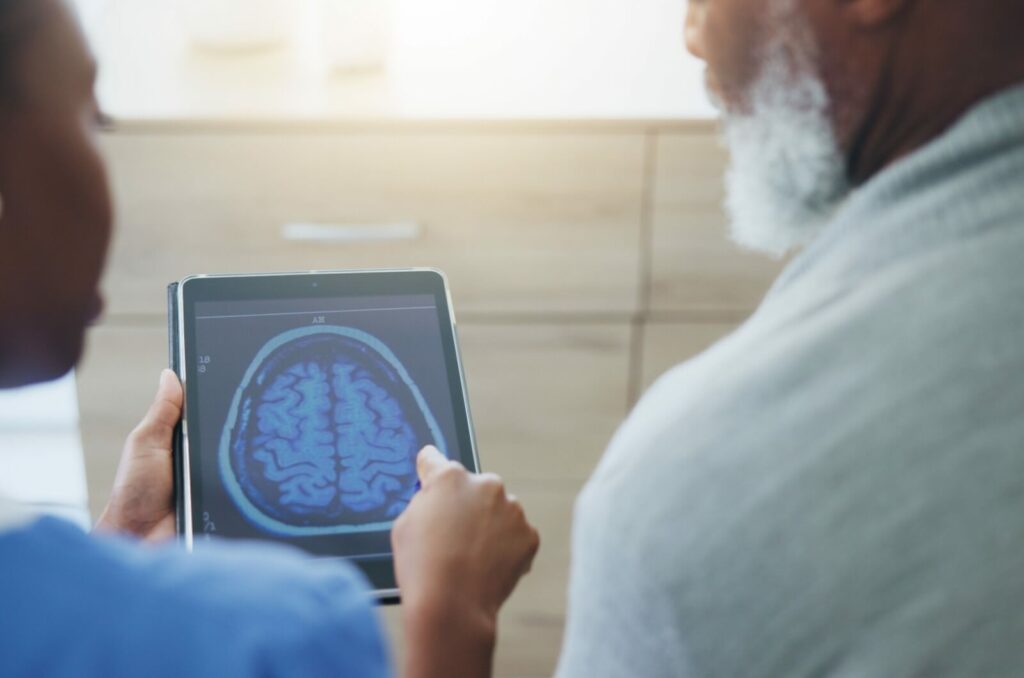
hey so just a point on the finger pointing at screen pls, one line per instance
(460, 549)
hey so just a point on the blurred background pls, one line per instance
(557, 158)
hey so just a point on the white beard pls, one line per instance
(787, 173)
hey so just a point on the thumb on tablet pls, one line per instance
(158, 424)
(428, 462)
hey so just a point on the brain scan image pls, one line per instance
(322, 434)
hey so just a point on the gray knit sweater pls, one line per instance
(837, 488)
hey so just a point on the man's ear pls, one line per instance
(874, 13)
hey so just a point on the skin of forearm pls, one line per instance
(444, 640)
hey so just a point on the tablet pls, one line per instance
(307, 399)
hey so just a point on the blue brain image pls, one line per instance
(322, 434)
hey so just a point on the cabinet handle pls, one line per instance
(351, 233)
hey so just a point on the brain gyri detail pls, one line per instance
(322, 434)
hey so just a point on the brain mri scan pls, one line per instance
(322, 434)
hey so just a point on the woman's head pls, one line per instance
(55, 213)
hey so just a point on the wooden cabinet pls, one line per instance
(520, 222)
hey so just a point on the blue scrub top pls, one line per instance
(76, 605)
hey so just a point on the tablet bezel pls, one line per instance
(309, 285)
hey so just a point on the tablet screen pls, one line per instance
(305, 414)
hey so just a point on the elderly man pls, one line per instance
(837, 488)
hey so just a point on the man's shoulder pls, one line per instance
(855, 450)
(905, 364)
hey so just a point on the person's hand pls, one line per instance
(460, 548)
(142, 502)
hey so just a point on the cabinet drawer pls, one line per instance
(520, 222)
(694, 264)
